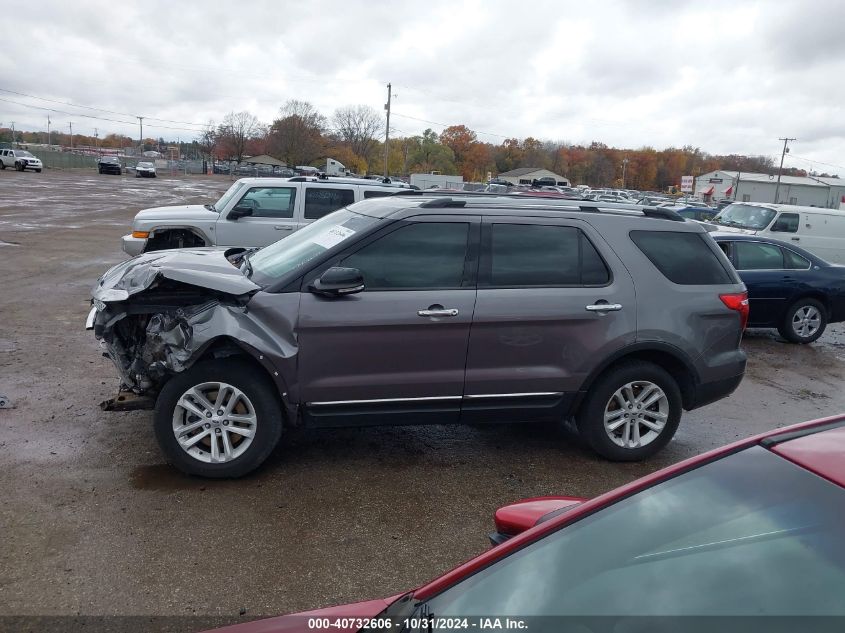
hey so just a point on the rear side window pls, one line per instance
(539, 255)
(377, 194)
(683, 258)
(758, 256)
(320, 202)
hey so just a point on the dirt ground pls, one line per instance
(94, 523)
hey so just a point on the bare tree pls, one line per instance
(297, 135)
(359, 127)
(208, 139)
(237, 129)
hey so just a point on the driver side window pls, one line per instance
(269, 202)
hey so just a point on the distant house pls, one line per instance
(264, 159)
(527, 175)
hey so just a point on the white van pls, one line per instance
(820, 231)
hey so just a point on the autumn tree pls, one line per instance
(358, 127)
(427, 154)
(296, 136)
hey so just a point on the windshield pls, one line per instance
(301, 247)
(224, 199)
(745, 216)
(145, 164)
(749, 534)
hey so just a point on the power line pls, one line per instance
(810, 160)
(97, 118)
(77, 105)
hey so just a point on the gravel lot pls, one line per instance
(95, 524)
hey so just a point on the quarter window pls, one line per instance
(683, 258)
(757, 256)
(794, 261)
(540, 255)
(321, 201)
(418, 256)
(270, 202)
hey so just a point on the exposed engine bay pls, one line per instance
(159, 313)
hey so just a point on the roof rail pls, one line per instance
(443, 203)
(445, 199)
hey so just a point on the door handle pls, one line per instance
(440, 312)
(795, 239)
(279, 227)
(604, 307)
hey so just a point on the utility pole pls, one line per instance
(48, 131)
(783, 154)
(13, 133)
(97, 140)
(70, 125)
(624, 166)
(141, 123)
(387, 130)
(738, 176)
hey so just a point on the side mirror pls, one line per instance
(337, 281)
(523, 515)
(240, 211)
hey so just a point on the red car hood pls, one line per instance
(298, 622)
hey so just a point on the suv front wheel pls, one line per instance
(630, 412)
(218, 419)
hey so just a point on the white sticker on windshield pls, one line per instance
(333, 236)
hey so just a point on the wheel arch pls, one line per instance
(669, 357)
(226, 346)
(159, 231)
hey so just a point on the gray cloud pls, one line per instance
(728, 76)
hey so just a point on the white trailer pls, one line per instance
(437, 181)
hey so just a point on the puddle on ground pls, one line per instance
(2, 243)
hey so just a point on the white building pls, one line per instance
(810, 191)
(527, 175)
(437, 180)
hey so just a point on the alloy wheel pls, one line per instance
(806, 321)
(636, 414)
(214, 422)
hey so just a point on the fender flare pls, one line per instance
(687, 390)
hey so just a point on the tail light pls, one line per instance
(737, 301)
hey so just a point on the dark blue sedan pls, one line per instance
(788, 288)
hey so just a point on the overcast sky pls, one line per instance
(728, 76)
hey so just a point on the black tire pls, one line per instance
(37, 171)
(788, 331)
(257, 387)
(18, 166)
(590, 416)
(2, 165)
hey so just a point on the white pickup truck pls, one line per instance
(252, 212)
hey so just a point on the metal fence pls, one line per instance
(64, 160)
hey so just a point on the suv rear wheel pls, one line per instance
(630, 412)
(219, 419)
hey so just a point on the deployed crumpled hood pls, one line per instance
(182, 212)
(203, 267)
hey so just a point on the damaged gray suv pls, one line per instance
(428, 309)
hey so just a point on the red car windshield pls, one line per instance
(749, 534)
